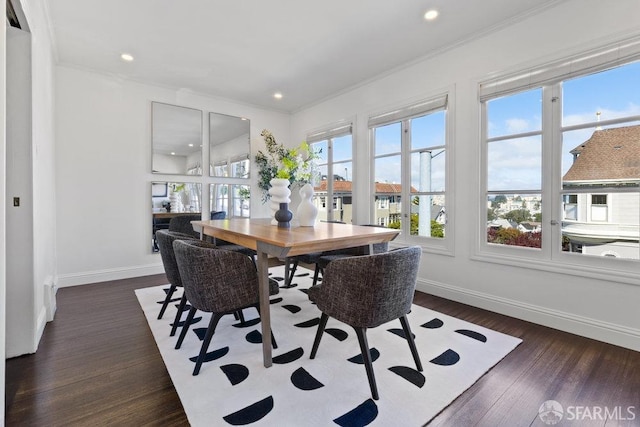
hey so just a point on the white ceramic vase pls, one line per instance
(278, 193)
(307, 211)
(176, 203)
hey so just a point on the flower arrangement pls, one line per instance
(298, 164)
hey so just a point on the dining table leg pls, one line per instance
(265, 313)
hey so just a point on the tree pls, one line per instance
(518, 215)
(491, 214)
(500, 198)
(437, 229)
(395, 225)
(537, 217)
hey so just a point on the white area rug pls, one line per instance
(236, 389)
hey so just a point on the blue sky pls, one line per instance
(516, 164)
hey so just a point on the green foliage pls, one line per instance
(513, 237)
(437, 229)
(501, 198)
(518, 215)
(295, 164)
(244, 193)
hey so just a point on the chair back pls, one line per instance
(370, 290)
(165, 240)
(216, 280)
(378, 248)
(182, 224)
(218, 214)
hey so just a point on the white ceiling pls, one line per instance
(246, 50)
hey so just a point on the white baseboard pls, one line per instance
(86, 277)
(611, 333)
(41, 323)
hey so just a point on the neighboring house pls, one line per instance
(502, 223)
(603, 221)
(530, 227)
(387, 204)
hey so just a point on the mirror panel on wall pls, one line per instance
(232, 199)
(174, 199)
(229, 146)
(176, 139)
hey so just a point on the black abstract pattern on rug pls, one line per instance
(303, 380)
(308, 376)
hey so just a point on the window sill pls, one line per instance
(600, 273)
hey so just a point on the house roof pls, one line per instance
(346, 186)
(610, 154)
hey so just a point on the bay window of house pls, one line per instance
(565, 141)
(334, 187)
(410, 172)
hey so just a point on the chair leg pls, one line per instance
(315, 275)
(411, 341)
(172, 289)
(316, 342)
(366, 356)
(215, 317)
(240, 316)
(292, 272)
(183, 303)
(185, 328)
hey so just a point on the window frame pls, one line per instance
(441, 101)
(328, 134)
(551, 257)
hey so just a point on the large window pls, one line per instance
(334, 186)
(561, 160)
(410, 170)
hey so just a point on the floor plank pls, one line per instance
(98, 364)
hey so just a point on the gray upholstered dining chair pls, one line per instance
(367, 291)
(165, 241)
(312, 258)
(324, 259)
(227, 245)
(216, 281)
(182, 224)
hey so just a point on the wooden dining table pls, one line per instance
(271, 241)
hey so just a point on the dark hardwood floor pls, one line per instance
(98, 364)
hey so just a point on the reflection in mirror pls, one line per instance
(233, 200)
(176, 139)
(229, 146)
(170, 200)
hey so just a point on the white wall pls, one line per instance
(605, 310)
(103, 171)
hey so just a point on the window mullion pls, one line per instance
(551, 165)
(329, 200)
(406, 177)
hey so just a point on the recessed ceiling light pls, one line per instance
(277, 95)
(126, 57)
(190, 145)
(431, 15)
(173, 153)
